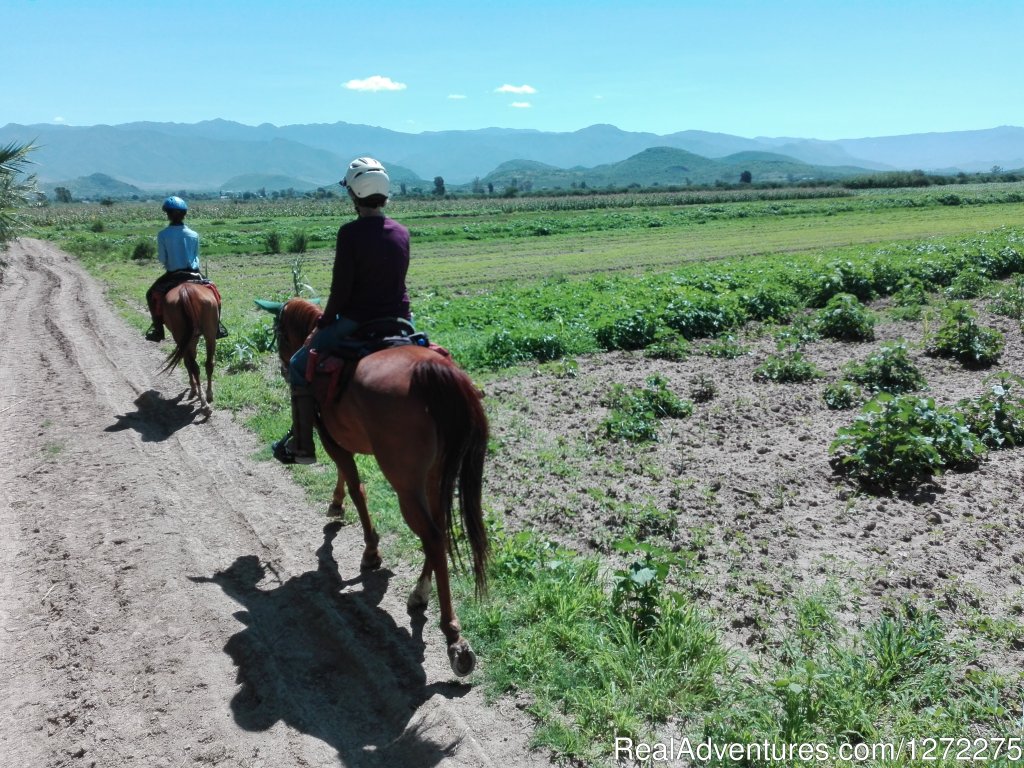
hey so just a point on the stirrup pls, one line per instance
(283, 452)
(222, 332)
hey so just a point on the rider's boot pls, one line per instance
(297, 446)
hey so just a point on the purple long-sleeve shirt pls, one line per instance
(371, 259)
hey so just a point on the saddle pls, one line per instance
(173, 280)
(340, 361)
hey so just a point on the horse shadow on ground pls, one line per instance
(156, 418)
(327, 661)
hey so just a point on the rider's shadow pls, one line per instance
(156, 417)
(327, 661)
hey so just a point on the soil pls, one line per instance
(166, 600)
(745, 489)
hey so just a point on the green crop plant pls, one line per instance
(634, 332)
(969, 284)
(697, 316)
(1009, 300)
(960, 337)
(842, 395)
(902, 441)
(634, 411)
(997, 416)
(844, 318)
(788, 367)
(702, 388)
(668, 346)
(889, 369)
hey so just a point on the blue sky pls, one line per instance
(827, 69)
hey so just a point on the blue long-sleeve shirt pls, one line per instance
(178, 248)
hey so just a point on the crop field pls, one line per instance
(755, 467)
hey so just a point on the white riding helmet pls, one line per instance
(365, 176)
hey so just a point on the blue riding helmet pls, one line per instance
(175, 203)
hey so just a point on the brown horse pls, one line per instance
(421, 417)
(191, 310)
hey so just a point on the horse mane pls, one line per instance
(295, 322)
(301, 315)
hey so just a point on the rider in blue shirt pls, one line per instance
(178, 251)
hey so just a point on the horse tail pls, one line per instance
(454, 403)
(190, 320)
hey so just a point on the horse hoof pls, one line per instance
(461, 657)
(336, 510)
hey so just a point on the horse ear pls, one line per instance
(273, 307)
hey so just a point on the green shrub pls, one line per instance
(299, 243)
(272, 242)
(842, 395)
(97, 226)
(961, 338)
(900, 441)
(787, 368)
(634, 332)
(634, 411)
(890, 369)
(144, 250)
(997, 417)
(846, 319)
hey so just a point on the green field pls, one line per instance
(507, 285)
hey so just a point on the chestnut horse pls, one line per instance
(192, 310)
(421, 418)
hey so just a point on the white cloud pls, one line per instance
(521, 104)
(516, 89)
(58, 119)
(375, 83)
(456, 96)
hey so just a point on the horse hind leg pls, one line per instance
(194, 379)
(435, 550)
(211, 355)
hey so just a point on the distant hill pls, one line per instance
(96, 186)
(205, 156)
(662, 166)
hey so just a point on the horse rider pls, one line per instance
(178, 251)
(371, 258)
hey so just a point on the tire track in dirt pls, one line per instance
(165, 600)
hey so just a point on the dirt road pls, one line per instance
(167, 601)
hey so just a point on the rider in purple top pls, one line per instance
(371, 259)
(370, 262)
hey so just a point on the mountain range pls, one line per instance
(225, 155)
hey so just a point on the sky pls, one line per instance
(827, 69)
